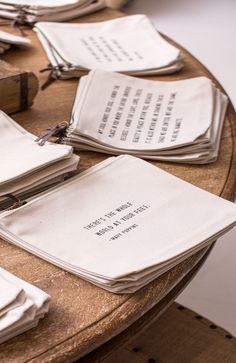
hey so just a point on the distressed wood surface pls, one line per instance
(18, 88)
(82, 316)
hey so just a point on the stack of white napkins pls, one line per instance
(7, 40)
(26, 167)
(21, 305)
(31, 11)
(129, 45)
(179, 121)
(120, 224)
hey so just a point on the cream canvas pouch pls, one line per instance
(111, 45)
(134, 114)
(32, 11)
(125, 216)
(178, 121)
(11, 295)
(25, 164)
(23, 312)
(12, 39)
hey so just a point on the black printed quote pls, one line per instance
(119, 221)
(135, 108)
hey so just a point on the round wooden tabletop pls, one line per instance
(83, 317)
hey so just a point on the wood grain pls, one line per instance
(83, 317)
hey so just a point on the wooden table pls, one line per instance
(82, 316)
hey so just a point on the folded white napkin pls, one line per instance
(27, 167)
(129, 222)
(177, 121)
(129, 44)
(21, 305)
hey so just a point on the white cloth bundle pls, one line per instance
(179, 121)
(26, 167)
(31, 11)
(21, 305)
(129, 222)
(129, 45)
(7, 40)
